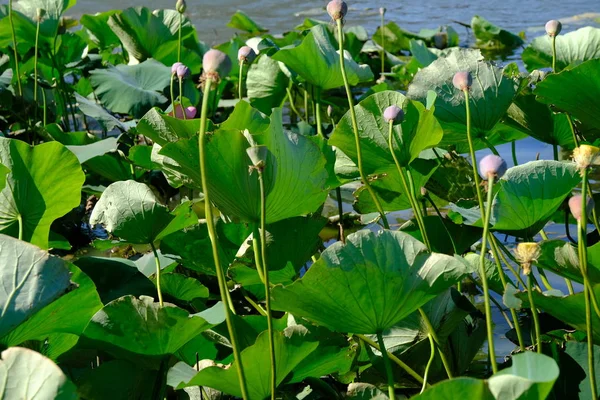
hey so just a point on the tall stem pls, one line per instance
(240, 79)
(554, 54)
(572, 126)
(157, 262)
(534, 313)
(483, 276)
(432, 332)
(590, 342)
(181, 100)
(363, 177)
(388, 367)
(20, 220)
(428, 366)
(382, 45)
(582, 240)
(555, 151)
(44, 104)
(179, 41)
(173, 94)
(263, 253)
(338, 193)
(35, 67)
(14, 40)
(318, 112)
(413, 193)
(513, 149)
(212, 232)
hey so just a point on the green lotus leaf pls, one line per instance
(131, 89)
(463, 236)
(571, 48)
(163, 129)
(290, 350)
(27, 375)
(182, 288)
(365, 391)
(531, 377)
(240, 20)
(419, 130)
(266, 84)
(143, 327)
(54, 10)
(131, 211)
(88, 151)
(317, 61)
(25, 30)
(562, 258)
(490, 36)
(370, 283)
(100, 32)
(574, 91)
(490, 97)
(96, 111)
(396, 38)
(32, 279)
(44, 184)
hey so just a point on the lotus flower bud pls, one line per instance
(40, 13)
(337, 9)
(258, 155)
(585, 156)
(174, 68)
(329, 111)
(393, 114)
(575, 206)
(216, 64)
(462, 80)
(246, 55)
(553, 28)
(180, 6)
(183, 72)
(527, 253)
(492, 166)
(382, 10)
(424, 192)
(190, 112)
(440, 40)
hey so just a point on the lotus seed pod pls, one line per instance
(216, 63)
(393, 114)
(337, 9)
(553, 27)
(180, 6)
(527, 253)
(40, 13)
(246, 54)
(382, 11)
(462, 80)
(258, 155)
(492, 166)
(183, 72)
(174, 68)
(440, 40)
(585, 156)
(575, 206)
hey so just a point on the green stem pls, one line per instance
(555, 151)
(534, 313)
(544, 279)
(392, 357)
(14, 40)
(20, 219)
(413, 193)
(382, 45)
(572, 126)
(45, 114)
(496, 244)
(181, 99)
(240, 79)
(173, 94)
(484, 282)
(257, 255)
(594, 214)
(428, 366)
(513, 148)
(338, 192)
(583, 238)
(472, 154)
(292, 105)
(212, 232)
(490, 146)
(388, 366)
(256, 306)
(35, 67)
(263, 252)
(590, 342)
(318, 112)
(432, 332)
(554, 54)
(179, 41)
(306, 106)
(355, 127)
(157, 261)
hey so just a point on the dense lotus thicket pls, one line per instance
(302, 215)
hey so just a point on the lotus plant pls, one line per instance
(382, 11)
(246, 55)
(553, 28)
(528, 253)
(180, 6)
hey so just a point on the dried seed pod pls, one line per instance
(527, 253)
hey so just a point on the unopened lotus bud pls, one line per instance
(527, 253)
(462, 80)
(329, 111)
(337, 9)
(492, 166)
(575, 206)
(382, 10)
(40, 13)
(440, 40)
(585, 156)
(174, 68)
(393, 114)
(180, 6)
(258, 155)
(183, 72)
(190, 112)
(424, 192)
(553, 28)
(246, 55)
(216, 64)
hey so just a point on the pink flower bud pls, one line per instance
(393, 114)
(553, 27)
(337, 9)
(190, 112)
(174, 68)
(575, 206)
(382, 10)
(246, 54)
(492, 166)
(183, 71)
(462, 80)
(216, 62)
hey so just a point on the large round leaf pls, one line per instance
(44, 184)
(490, 96)
(266, 84)
(419, 130)
(131, 89)
(571, 48)
(143, 327)
(575, 91)
(131, 211)
(370, 283)
(30, 280)
(27, 375)
(490, 36)
(317, 60)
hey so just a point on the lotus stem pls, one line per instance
(582, 240)
(257, 255)
(180, 100)
(318, 112)
(212, 232)
(292, 105)
(472, 154)
(413, 193)
(338, 192)
(179, 40)
(428, 366)
(594, 214)
(263, 253)
(173, 94)
(554, 54)
(590, 342)
(20, 220)
(490, 146)
(431, 331)
(240, 79)
(382, 44)
(484, 282)
(513, 148)
(392, 357)
(14, 39)
(496, 245)
(35, 66)
(306, 106)
(256, 306)
(45, 112)
(534, 313)
(572, 126)
(355, 126)
(408, 190)
(388, 367)
(555, 151)
(157, 262)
